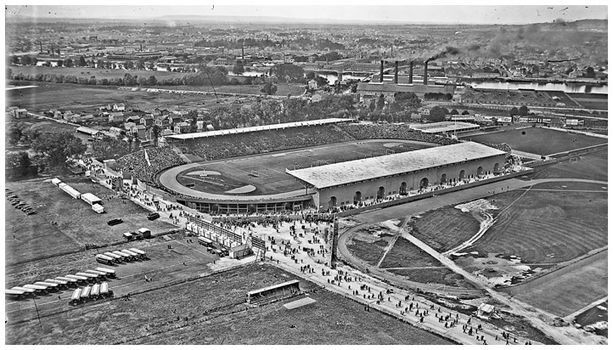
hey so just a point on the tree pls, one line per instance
(381, 102)
(57, 148)
(152, 80)
(589, 73)
(465, 113)
(288, 73)
(155, 133)
(523, 111)
(82, 62)
(68, 63)
(14, 134)
(269, 88)
(238, 68)
(437, 114)
(513, 112)
(26, 60)
(454, 112)
(407, 100)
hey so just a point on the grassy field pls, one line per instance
(406, 254)
(592, 166)
(166, 266)
(568, 289)
(445, 228)
(63, 224)
(592, 101)
(87, 99)
(440, 275)
(211, 310)
(596, 314)
(546, 226)
(271, 167)
(283, 89)
(539, 140)
(571, 186)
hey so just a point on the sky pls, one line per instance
(328, 11)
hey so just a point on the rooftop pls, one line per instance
(435, 128)
(393, 164)
(213, 133)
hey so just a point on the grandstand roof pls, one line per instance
(198, 135)
(435, 128)
(393, 164)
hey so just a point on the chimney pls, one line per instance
(426, 73)
(396, 72)
(243, 50)
(411, 72)
(381, 72)
(340, 77)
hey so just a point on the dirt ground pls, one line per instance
(211, 310)
(63, 224)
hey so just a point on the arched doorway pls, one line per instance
(403, 189)
(480, 171)
(357, 198)
(381, 192)
(496, 168)
(443, 178)
(332, 202)
(462, 175)
(423, 183)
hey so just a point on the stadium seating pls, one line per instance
(160, 159)
(392, 131)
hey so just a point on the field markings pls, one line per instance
(387, 249)
(571, 316)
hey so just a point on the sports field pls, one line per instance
(226, 175)
(445, 228)
(546, 226)
(568, 289)
(539, 140)
(211, 310)
(592, 166)
(63, 224)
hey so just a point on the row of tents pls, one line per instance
(120, 256)
(62, 282)
(89, 198)
(97, 291)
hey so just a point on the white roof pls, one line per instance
(90, 197)
(86, 130)
(393, 164)
(197, 135)
(433, 128)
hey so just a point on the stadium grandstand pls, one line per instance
(379, 177)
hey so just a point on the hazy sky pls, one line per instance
(323, 10)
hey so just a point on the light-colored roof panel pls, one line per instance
(393, 164)
(197, 135)
(433, 128)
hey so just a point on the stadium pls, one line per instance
(266, 168)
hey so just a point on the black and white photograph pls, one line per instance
(319, 173)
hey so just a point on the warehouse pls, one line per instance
(379, 177)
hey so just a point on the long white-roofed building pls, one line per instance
(379, 177)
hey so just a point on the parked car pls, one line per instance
(153, 216)
(115, 221)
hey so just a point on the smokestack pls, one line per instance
(381, 72)
(426, 73)
(411, 72)
(340, 77)
(243, 50)
(396, 72)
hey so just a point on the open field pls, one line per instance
(369, 243)
(406, 254)
(283, 89)
(210, 309)
(63, 224)
(539, 140)
(546, 226)
(568, 289)
(271, 167)
(571, 186)
(165, 266)
(406, 259)
(99, 73)
(592, 166)
(598, 313)
(444, 228)
(86, 98)
(592, 101)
